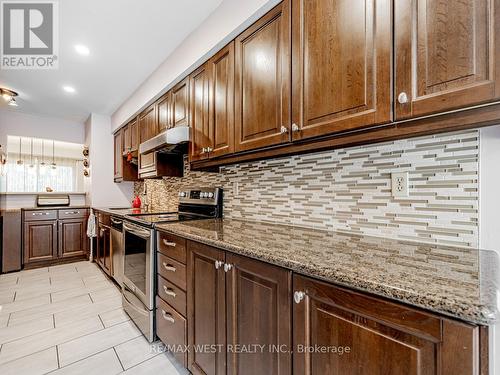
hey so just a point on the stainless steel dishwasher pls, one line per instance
(117, 249)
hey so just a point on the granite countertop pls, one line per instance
(458, 282)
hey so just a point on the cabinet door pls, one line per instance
(40, 240)
(341, 65)
(199, 84)
(134, 135)
(118, 146)
(206, 309)
(147, 124)
(370, 335)
(72, 237)
(262, 81)
(447, 55)
(180, 103)
(221, 131)
(127, 139)
(258, 313)
(164, 112)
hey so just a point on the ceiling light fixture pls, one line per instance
(82, 50)
(8, 95)
(12, 102)
(69, 89)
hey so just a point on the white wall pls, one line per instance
(16, 123)
(489, 210)
(101, 190)
(227, 21)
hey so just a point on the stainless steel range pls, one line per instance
(138, 287)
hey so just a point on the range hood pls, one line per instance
(173, 140)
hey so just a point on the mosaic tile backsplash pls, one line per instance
(350, 189)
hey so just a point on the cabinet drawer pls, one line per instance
(71, 213)
(172, 270)
(40, 215)
(172, 294)
(171, 328)
(172, 246)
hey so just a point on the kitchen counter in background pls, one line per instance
(10, 201)
(458, 282)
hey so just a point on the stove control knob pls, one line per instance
(182, 194)
(210, 195)
(205, 195)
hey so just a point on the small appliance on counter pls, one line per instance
(139, 244)
(52, 200)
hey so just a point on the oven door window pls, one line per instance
(135, 260)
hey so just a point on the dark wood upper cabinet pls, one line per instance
(118, 147)
(127, 139)
(221, 132)
(259, 313)
(341, 61)
(40, 240)
(165, 112)
(379, 334)
(180, 103)
(148, 126)
(447, 55)
(262, 81)
(199, 106)
(72, 237)
(131, 137)
(206, 308)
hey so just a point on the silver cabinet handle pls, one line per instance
(403, 98)
(169, 292)
(169, 267)
(218, 264)
(203, 150)
(209, 149)
(39, 213)
(283, 129)
(227, 267)
(298, 296)
(71, 212)
(167, 316)
(168, 243)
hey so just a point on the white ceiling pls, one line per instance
(128, 40)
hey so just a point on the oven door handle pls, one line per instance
(143, 233)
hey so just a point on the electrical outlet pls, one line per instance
(399, 184)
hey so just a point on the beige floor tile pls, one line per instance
(75, 314)
(78, 291)
(88, 345)
(26, 281)
(134, 352)
(104, 363)
(6, 284)
(38, 363)
(103, 294)
(46, 339)
(158, 365)
(16, 332)
(7, 296)
(4, 319)
(49, 309)
(17, 306)
(116, 316)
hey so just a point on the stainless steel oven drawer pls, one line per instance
(140, 315)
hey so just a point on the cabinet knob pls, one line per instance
(295, 128)
(403, 98)
(283, 130)
(227, 267)
(203, 150)
(298, 296)
(209, 149)
(218, 264)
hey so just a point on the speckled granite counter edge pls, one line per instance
(465, 311)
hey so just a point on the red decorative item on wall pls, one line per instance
(136, 203)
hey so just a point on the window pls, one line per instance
(42, 165)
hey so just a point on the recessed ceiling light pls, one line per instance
(82, 50)
(69, 89)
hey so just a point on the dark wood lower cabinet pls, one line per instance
(236, 304)
(364, 335)
(40, 241)
(72, 237)
(206, 308)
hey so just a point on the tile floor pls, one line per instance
(68, 319)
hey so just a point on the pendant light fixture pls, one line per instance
(20, 160)
(43, 166)
(54, 166)
(3, 161)
(31, 159)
